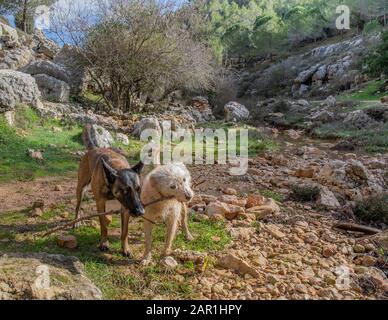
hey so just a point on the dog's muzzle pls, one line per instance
(138, 212)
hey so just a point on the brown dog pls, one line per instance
(111, 177)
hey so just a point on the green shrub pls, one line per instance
(374, 208)
(304, 192)
(377, 61)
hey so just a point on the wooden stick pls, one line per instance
(356, 227)
(72, 223)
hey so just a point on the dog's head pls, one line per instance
(174, 180)
(125, 186)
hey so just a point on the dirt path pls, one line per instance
(20, 195)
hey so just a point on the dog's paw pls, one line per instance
(104, 248)
(145, 262)
(127, 254)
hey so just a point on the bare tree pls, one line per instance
(132, 47)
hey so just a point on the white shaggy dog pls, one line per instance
(167, 189)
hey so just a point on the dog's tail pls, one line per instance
(88, 137)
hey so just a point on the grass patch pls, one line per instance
(59, 143)
(374, 90)
(372, 140)
(115, 276)
(273, 195)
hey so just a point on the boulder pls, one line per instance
(8, 35)
(42, 276)
(144, 124)
(359, 120)
(236, 112)
(70, 59)
(46, 67)
(322, 116)
(52, 88)
(17, 87)
(44, 45)
(330, 101)
(16, 58)
(327, 199)
(122, 138)
(201, 109)
(102, 137)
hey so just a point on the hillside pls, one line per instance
(307, 220)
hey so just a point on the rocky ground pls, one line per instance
(279, 249)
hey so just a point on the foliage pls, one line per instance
(377, 61)
(374, 208)
(139, 47)
(23, 11)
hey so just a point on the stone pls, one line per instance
(305, 173)
(236, 112)
(274, 231)
(122, 138)
(229, 191)
(67, 242)
(269, 207)
(359, 120)
(48, 68)
(322, 116)
(327, 199)
(330, 101)
(42, 276)
(36, 155)
(329, 251)
(58, 188)
(242, 233)
(359, 248)
(202, 111)
(44, 45)
(53, 89)
(169, 263)
(144, 124)
(102, 137)
(70, 59)
(294, 134)
(17, 88)
(230, 212)
(367, 261)
(16, 58)
(232, 262)
(255, 200)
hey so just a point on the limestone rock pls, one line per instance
(17, 88)
(232, 262)
(236, 112)
(52, 88)
(144, 124)
(44, 276)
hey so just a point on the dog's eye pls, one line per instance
(173, 187)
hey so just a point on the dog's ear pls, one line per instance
(110, 173)
(138, 168)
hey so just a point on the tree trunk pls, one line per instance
(24, 16)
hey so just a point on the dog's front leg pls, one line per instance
(172, 228)
(104, 223)
(148, 243)
(124, 233)
(185, 223)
